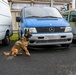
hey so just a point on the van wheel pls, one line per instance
(65, 45)
(6, 40)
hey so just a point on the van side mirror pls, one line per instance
(18, 19)
(74, 19)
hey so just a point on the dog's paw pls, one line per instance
(20, 53)
(28, 54)
(14, 55)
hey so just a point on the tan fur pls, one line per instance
(19, 46)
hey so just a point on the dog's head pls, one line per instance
(27, 34)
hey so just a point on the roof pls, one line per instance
(56, 0)
(44, 0)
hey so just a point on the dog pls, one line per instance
(20, 45)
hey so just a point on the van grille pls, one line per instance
(50, 29)
(52, 41)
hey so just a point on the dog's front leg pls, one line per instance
(14, 52)
(26, 50)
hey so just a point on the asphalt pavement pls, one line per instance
(51, 60)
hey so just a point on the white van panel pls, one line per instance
(6, 1)
(3, 29)
(5, 20)
(4, 9)
(5, 14)
(2, 34)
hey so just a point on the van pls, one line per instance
(5, 22)
(70, 16)
(46, 25)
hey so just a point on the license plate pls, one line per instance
(52, 37)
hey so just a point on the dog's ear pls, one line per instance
(25, 30)
(28, 30)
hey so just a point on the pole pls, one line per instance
(51, 3)
(73, 4)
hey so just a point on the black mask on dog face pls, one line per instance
(27, 33)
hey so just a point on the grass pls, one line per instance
(14, 37)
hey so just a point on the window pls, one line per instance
(42, 12)
(72, 15)
(65, 15)
(19, 6)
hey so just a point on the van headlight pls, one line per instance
(68, 29)
(32, 30)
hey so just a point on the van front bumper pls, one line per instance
(51, 39)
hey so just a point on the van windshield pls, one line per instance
(42, 12)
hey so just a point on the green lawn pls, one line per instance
(14, 37)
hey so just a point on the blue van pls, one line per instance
(46, 25)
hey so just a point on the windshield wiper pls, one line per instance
(33, 16)
(50, 17)
(42, 17)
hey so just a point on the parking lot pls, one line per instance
(52, 60)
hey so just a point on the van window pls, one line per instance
(72, 15)
(65, 15)
(39, 12)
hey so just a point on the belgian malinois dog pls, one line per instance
(20, 45)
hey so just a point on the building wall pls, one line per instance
(14, 23)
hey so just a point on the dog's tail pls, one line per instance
(7, 53)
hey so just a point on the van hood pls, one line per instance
(40, 22)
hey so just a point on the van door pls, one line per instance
(72, 16)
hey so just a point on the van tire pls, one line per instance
(6, 40)
(65, 45)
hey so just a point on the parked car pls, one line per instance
(5, 22)
(46, 25)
